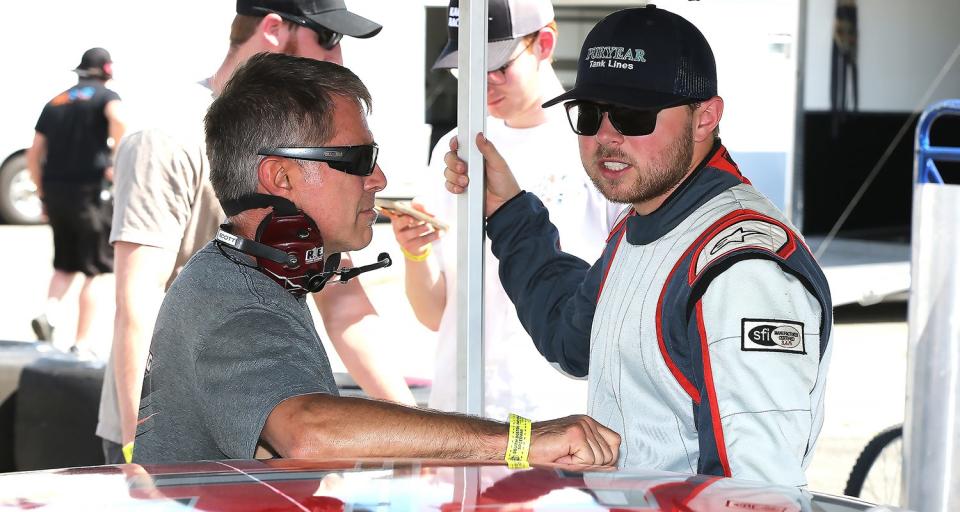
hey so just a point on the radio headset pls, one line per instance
(288, 247)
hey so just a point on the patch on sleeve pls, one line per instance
(759, 335)
(748, 233)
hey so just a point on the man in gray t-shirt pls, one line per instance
(166, 210)
(229, 345)
(235, 364)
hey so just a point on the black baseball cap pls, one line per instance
(509, 21)
(96, 62)
(645, 58)
(313, 14)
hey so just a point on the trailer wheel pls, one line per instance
(19, 203)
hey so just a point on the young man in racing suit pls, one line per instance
(705, 325)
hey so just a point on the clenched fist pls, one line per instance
(575, 439)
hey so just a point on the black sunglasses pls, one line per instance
(585, 118)
(327, 38)
(355, 160)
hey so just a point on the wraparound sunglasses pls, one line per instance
(586, 116)
(355, 160)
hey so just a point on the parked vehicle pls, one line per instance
(19, 203)
(387, 484)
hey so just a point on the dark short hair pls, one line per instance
(273, 100)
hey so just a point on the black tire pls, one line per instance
(886, 444)
(14, 356)
(8, 413)
(58, 402)
(18, 200)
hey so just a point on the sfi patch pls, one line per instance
(760, 335)
(748, 233)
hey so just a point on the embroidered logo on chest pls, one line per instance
(768, 335)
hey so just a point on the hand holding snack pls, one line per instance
(414, 228)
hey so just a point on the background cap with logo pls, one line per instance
(509, 21)
(96, 62)
(645, 58)
(313, 14)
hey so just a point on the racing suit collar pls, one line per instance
(714, 174)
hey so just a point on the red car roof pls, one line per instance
(386, 484)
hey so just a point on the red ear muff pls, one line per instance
(288, 246)
(297, 236)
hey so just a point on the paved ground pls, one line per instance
(865, 389)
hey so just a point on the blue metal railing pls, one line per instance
(925, 168)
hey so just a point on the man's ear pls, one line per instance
(707, 118)
(273, 177)
(272, 32)
(546, 43)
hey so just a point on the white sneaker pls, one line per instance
(42, 328)
(84, 354)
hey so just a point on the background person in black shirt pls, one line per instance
(70, 161)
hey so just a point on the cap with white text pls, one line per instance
(645, 58)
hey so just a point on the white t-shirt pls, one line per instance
(546, 162)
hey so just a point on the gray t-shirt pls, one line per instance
(229, 345)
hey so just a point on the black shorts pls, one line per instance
(80, 220)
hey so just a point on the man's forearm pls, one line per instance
(356, 346)
(33, 168)
(426, 291)
(35, 156)
(346, 427)
(131, 343)
(323, 426)
(141, 273)
(355, 329)
(133, 327)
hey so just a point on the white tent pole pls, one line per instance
(471, 117)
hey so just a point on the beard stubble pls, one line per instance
(658, 177)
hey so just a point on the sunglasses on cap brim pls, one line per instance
(354, 160)
(326, 38)
(586, 116)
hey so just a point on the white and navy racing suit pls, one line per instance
(704, 327)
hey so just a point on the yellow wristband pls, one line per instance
(128, 452)
(518, 444)
(418, 257)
